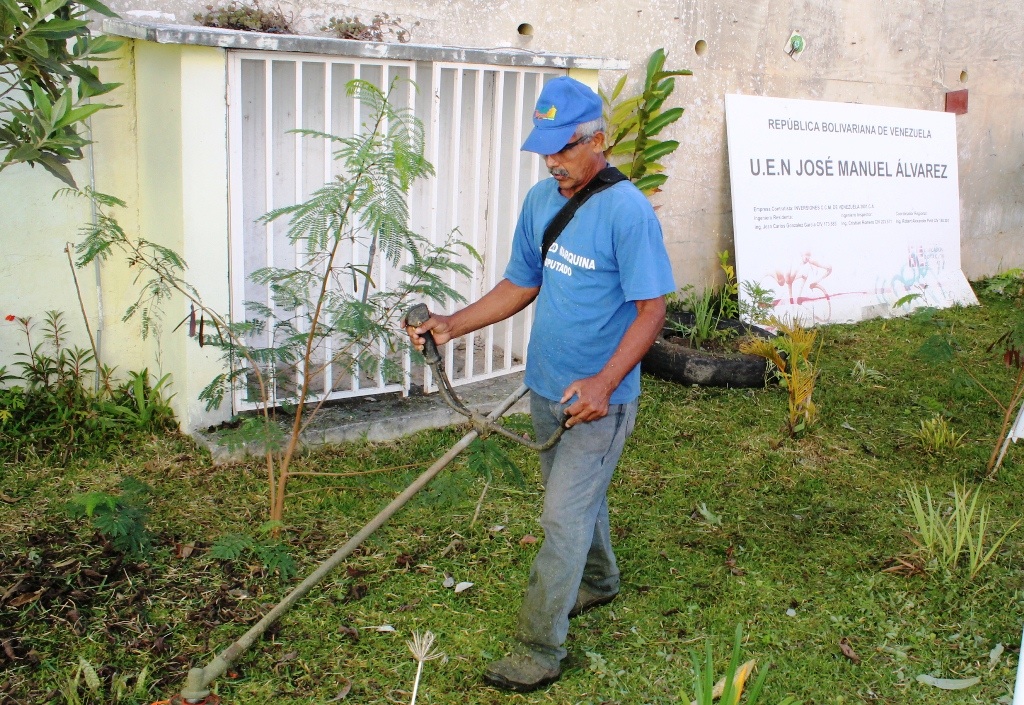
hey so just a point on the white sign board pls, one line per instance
(841, 210)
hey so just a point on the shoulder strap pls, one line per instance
(609, 176)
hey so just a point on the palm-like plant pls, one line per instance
(634, 122)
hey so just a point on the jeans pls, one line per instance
(577, 546)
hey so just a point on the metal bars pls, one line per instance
(475, 117)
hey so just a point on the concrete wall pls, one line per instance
(903, 53)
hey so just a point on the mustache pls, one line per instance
(558, 171)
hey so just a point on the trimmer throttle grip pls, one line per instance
(417, 316)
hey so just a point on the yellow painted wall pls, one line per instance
(163, 152)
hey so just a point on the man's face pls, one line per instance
(576, 163)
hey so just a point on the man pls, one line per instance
(600, 305)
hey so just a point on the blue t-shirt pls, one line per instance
(609, 255)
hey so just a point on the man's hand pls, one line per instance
(439, 326)
(592, 395)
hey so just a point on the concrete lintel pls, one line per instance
(234, 39)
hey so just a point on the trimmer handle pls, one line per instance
(417, 316)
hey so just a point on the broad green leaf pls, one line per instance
(78, 114)
(657, 150)
(665, 74)
(619, 85)
(41, 101)
(651, 182)
(621, 148)
(59, 29)
(23, 153)
(58, 168)
(35, 46)
(661, 120)
(655, 64)
(97, 6)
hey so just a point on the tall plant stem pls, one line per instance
(81, 306)
(995, 460)
(277, 502)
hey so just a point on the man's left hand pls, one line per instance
(592, 395)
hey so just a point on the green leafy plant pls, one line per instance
(712, 305)
(313, 322)
(862, 373)
(1009, 283)
(729, 689)
(380, 29)
(794, 356)
(245, 17)
(119, 518)
(706, 316)
(633, 123)
(86, 678)
(944, 537)
(148, 409)
(757, 304)
(48, 81)
(272, 553)
(937, 436)
(61, 409)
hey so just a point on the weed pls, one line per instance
(149, 410)
(706, 316)
(862, 373)
(936, 436)
(422, 648)
(942, 537)
(1009, 283)
(272, 553)
(119, 518)
(58, 411)
(86, 677)
(794, 356)
(729, 689)
(381, 27)
(245, 17)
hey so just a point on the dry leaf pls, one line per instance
(848, 652)
(528, 539)
(184, 550)
(463, 586)
(343, 693)
(26, 598)
(449, 581)
(382, 628)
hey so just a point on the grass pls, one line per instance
(808, 529)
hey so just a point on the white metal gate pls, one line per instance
(475, 116)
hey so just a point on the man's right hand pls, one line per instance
(439, 326)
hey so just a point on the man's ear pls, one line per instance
(597, 142)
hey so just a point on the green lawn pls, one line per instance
(793, 544)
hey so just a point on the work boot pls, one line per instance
(522, 672)
(587, 600)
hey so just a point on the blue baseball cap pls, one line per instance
(564, 104)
